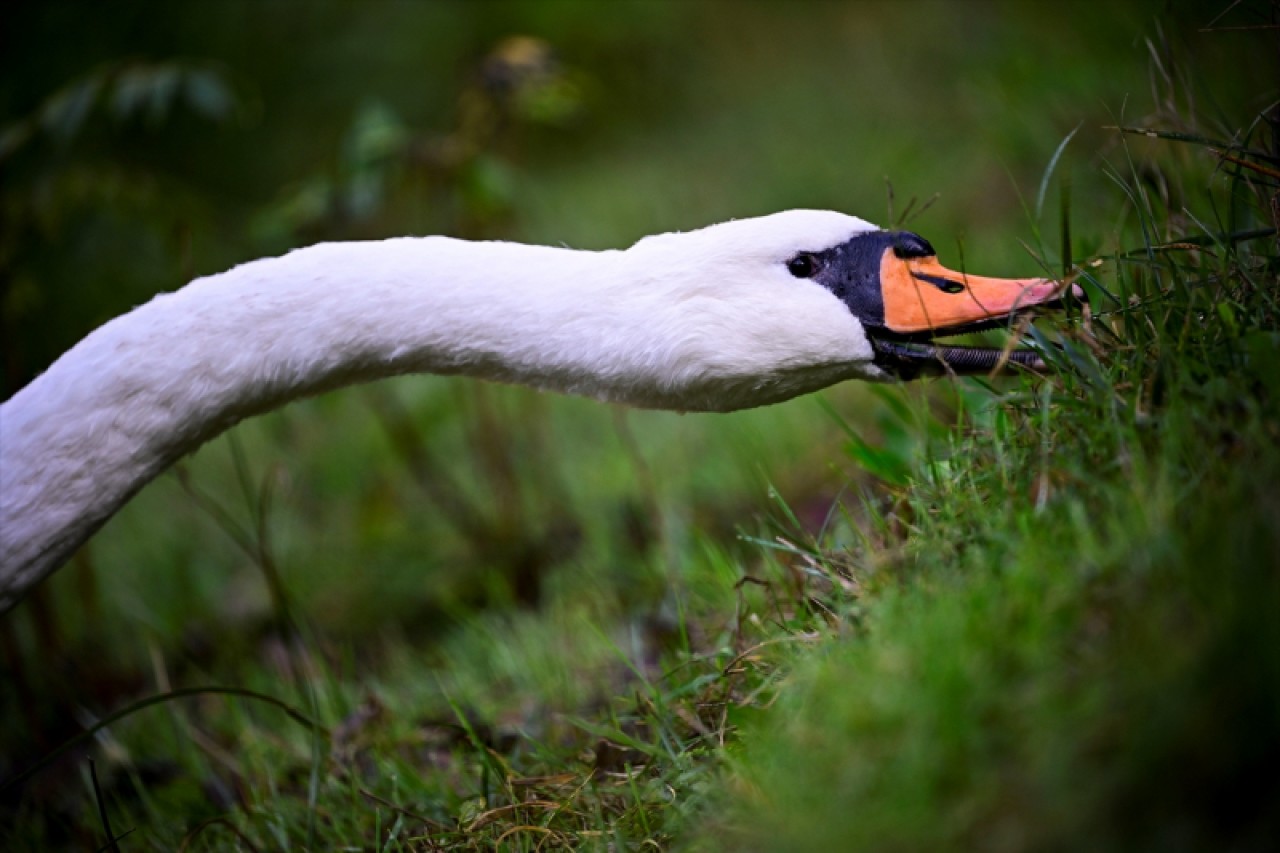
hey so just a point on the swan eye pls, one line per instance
(803, 266)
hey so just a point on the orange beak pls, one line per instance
(921, 295)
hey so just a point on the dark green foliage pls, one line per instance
(1076, 645)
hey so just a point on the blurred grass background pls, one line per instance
(463, 552)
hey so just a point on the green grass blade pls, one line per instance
(160, 698)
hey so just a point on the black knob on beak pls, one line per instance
(909, 245)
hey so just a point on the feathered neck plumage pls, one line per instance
(642, 327)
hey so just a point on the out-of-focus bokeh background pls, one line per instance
(151, 143)
(449, 544)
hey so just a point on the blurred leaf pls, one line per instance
(13, 137)
(1094, 289)
(1228, 317)
(1262, 349)
(554, 102)
(162, 85)
(126, 91)
(305, 204)
(1085, 364)
(64, 114)
(488, 186)
(376, 135)
(884, 462)
(374, 140)
(209, 94)
(132, 92)
(1049, 351)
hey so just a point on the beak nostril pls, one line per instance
(946, 285)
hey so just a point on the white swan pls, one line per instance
(731, 316)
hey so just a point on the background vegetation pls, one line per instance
(1029, 613)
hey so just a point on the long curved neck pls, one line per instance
(150, 386)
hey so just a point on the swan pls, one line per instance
(730, 316)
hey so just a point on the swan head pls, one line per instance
(837, 296)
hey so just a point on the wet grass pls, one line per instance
(1065, 631)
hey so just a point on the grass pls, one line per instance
(1069, 638)
(1041, 614)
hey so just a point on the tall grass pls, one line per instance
(1068, 636)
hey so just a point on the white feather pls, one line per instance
(708, 320)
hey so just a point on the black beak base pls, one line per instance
(906, 360)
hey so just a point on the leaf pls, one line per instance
(163, 83)
(1051, 353)
(208, 94)
(64, 114)
(1262, 349)
(132, 90)
(488, 186)
(1085, 365)
(880, 461)
(1094, 289)
(1048, 170)
(300, 207)
(13, 137)
(614, 735)
(1228, 317)
(376, 135)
